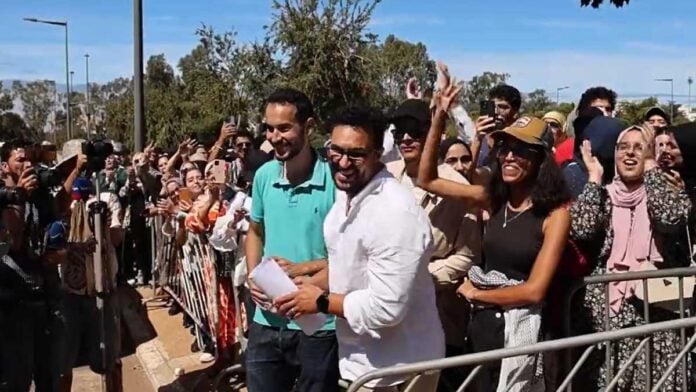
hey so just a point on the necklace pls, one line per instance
(505, 216)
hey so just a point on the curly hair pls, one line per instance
(549, 190)
(594, 93)
(507, 93)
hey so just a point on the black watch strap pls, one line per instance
(323, 302)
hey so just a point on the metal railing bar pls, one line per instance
(576, 368)
(552, 345)
(615, 381)
(638, 275)
(470, 378)
(518, 373)
(674, 363)
(413, 381)
(607, 327)
(682, 332)
(646, 314)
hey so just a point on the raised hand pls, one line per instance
(28, 180)
(594, 167)
(412, 90)
(149, 149)
(445, 99)
(186, 147)
(443, 76)
(227, 131)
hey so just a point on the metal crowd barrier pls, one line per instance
(189, 275)
(415, 370)
(644, 276)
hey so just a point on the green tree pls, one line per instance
(5, 99)
(633, 112)
(537, 103)
(565, 107)
(597, 3)
(476, 90)
(325, 46)
(397, 61)
(37, 99)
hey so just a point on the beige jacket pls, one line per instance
(457, 245)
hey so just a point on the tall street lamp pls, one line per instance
(671, 105)
(71, 89)
(690, 81)
(558, 93)
(67, 65)
(87, 110)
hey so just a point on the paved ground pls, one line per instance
(155, 344)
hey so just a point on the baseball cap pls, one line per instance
(198, 157)
(412, 108)
(527, 129)
(656, 110)
(556, 117)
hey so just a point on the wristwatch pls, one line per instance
(323, 302)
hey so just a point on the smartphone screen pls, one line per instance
(185, 195)
(218, 171)
(488, 108)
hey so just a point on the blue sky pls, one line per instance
(541, 43)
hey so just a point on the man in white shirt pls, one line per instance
(379, 245)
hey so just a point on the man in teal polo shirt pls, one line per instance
(291, 195)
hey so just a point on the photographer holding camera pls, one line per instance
(29, 283)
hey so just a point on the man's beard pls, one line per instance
(293, 150)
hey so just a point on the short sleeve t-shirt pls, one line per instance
(292, 218)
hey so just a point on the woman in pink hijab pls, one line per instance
(638, 218)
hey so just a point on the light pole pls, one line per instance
(671, 104)
(138, 100)
(67, 64)
(558, 93)
(70, 91)
(87, 111)
(690, 81)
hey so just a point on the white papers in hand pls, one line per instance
(275, 283)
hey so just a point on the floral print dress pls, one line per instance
(591, 221)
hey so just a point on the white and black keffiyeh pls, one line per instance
(522, 327)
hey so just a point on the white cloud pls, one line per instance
(47, 61)
(570, 24)
(629, 74)
(406, 20)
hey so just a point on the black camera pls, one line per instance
(96, 151)
(48, 177)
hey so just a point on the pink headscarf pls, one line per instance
(633, 236)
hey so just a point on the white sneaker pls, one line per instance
(206, 358)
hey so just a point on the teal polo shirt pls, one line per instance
(293, 221)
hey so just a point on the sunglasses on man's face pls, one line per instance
(414, 133)
(241, 145)
(356, 156)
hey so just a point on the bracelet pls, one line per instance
(215, 146)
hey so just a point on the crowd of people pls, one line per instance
(414, 244)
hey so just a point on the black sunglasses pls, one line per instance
(243, 145)
(415, 133)
(356, 156)
(521, 150)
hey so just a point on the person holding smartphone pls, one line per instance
(499, 112)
